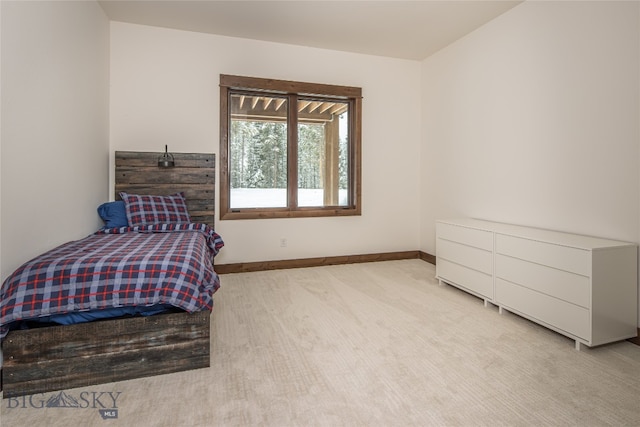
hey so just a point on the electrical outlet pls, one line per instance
(283, 242)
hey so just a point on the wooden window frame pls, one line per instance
(352, 95)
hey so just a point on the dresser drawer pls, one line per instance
(556, 313)
(469, 236)
(469, 256)
(472, 280)
(557, 256)
(561, 284)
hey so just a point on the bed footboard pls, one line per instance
(62, 357)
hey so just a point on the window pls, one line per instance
(288, 149)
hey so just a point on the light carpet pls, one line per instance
(375, 344)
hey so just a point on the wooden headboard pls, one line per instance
(193, 174)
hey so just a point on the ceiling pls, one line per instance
(398, 29)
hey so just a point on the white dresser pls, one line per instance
(464, 256)
(580, 286)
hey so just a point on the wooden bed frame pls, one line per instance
(62, 357)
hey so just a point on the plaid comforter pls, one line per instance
(130, 266)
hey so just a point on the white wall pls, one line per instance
(164, 90)
(54, 138)
(534, 119)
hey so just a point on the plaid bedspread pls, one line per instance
(129, 266)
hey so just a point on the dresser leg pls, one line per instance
(578, 345)
(500, 310)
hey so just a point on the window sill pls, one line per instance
(287, 213)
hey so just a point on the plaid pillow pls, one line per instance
(146, 210)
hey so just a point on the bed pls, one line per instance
(142, 292)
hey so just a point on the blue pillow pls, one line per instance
(113, 214)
